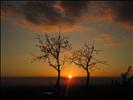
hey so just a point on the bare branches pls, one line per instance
(49, 61)
(77, 59)
(80, 65)
(125, 75)
(85, 58)
(97, 62)
(51, 49)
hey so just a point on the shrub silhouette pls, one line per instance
(126, 78)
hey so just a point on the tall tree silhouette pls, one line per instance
(86, 59)
(51, 49)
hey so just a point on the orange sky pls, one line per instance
(108, 25)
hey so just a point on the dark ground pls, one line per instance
(78, 92)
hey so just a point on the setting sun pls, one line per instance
(70, 76)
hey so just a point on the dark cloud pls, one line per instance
(71, 12)
(47, 13)
(42, 12)
(119, 11)
(74, 9)
(125, 12)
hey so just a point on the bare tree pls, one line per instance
(51, 51)
(86, 59)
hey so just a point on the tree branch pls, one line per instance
(51, 63)
(79, 64)
(94, 63)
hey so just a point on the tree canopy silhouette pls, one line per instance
(86, 59)
(51, 51)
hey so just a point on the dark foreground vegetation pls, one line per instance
(69, 92)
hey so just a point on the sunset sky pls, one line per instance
(109, 24)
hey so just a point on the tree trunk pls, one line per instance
(58, 80)
(87, 78)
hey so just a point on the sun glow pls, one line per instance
(70, 76)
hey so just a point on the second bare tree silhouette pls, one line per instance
(86, 59)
